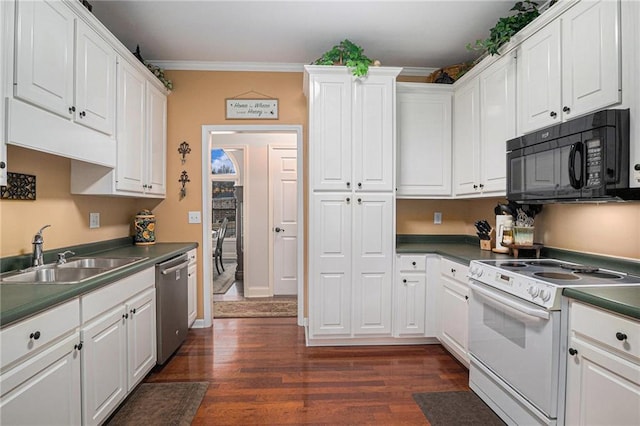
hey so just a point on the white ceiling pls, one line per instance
(190, 33)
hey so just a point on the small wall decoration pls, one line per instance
(239, 108)
(19, 187)
(184, 178)
(184, 149)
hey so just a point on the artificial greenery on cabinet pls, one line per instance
(349, 54)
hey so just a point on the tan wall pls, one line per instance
(67, 214)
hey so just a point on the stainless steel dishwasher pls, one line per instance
(171, 305)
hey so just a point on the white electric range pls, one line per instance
(517, 333)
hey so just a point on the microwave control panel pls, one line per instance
(594, 163)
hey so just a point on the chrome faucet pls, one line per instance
(38, 252)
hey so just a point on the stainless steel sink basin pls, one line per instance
(74, 271)
(99, 262)
(53, 275)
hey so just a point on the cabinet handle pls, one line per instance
(413, 263)
(475, 186)
(621, 336)
(466, 297)
(348, 200)
(125, 316)
(453, 271)
(2, 165)
(348, 184)
(72, 109)
(35, 336)
(553, 114)
(404, 280)
(573, 352)
(78, 346)
(150, 186)
(359, 184)
(133, 311)
(82, 114)
(566, 109)
(359, 200)
(481, 185)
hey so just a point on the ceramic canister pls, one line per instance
(144, 225)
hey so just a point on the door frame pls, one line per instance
(207, 278)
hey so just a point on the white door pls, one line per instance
(156, 156)
(283, 172)
(141, 336)
(466, 137)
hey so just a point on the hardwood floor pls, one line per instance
(260, 372)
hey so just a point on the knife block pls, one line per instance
(487, 244)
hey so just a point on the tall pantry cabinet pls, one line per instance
(351, 201)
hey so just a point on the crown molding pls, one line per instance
(260, 67)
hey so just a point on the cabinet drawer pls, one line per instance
(606, 328)
(192, 256)
(412, 263)
(97, 302)
(17, 340)
(455, 270)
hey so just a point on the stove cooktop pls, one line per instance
(541, 281)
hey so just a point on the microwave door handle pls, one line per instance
(576, 183)
(502, 301)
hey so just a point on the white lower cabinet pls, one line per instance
(410, 296)
(192, 284)
(119, 341)
(454, 309)
(603, 368)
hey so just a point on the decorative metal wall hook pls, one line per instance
(184, 150)
(184, 178)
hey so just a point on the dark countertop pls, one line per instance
(623, 300)
(465, 248)
(18, 301)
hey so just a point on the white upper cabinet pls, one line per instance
(156, 109)
(484, 119)
(44, 55)
(571, 66)
(424, 140)
(351, 122)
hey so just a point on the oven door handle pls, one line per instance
(524, 309)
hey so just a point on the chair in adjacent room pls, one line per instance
(217, 252)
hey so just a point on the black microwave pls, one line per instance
(580, 160)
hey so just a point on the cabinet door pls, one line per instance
(498, 118)
(373, 133)
(157, 141)
(539, 81)
(424, 143)
(104, 365)
(6, 50)
(141, 336)
(130, 129)
(602, 388)
(192, 301)
(455, 314)
(95, 81)
(466, 134)
(372, 263)
(590, 57)
(410, 306)
(44, 55)
(330, 132)
(330, 264)
(44, 389)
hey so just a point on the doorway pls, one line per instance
(258, 229)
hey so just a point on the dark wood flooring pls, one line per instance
(261, 372)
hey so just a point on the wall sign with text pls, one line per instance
(252, 109)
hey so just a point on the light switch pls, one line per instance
(437, 218)
(194, 217)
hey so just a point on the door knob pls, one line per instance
(278, 229)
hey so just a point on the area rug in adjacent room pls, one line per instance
(279, 306)
(456, 408)
(161, 404)
(222, 282)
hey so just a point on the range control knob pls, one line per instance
(472, 271)
(479, 272)
(545, 295)
(533, 291)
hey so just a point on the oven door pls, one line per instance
(519, 342)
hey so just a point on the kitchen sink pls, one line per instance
(99, 262)
(72, 272)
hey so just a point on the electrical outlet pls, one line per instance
(194, 217)
(94, 220)
(437, 218)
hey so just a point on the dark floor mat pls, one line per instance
(456, 408)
